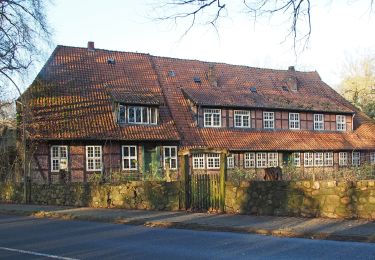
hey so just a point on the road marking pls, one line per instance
(36, 253)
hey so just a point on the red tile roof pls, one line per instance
(73, 99)
(72, 96)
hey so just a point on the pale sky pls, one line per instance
(339, 29)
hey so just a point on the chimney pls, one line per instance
(90, 46)
(211, 75)
(291, 80)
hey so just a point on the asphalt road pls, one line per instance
(30, 238)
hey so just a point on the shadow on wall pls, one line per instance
(329, 199)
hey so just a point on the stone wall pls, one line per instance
(11, 192)
(332, 199)
(130, 195)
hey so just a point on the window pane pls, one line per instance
(166, 152)
(173, 152)
(138, 115)
(173, 163)
(55, 151)
(97, 151)
(126, 151)
(63, 152)
(131, 115)
(126, 164)
(132, 151)
(90, 151)
(153, 116)
(145, 115)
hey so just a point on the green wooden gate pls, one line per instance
(204, 192)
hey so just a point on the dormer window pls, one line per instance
(137, 115)
(212, 117)
(340, 123)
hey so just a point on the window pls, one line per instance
(318, 122)
(294, 121)
(129, 157)
(249, 160)
(273, 159)
(261, 160)
(356, 158)
(142, 115)
(343, 158)
(170, 157)
(59, 158)
(242, 118)
(121, 117)
(153, 115)
(212, 117)
(328, 159)
(268, 120)
(372, 158)
(213, 161)
(318, 159)
(308, 159)
(93, 158)
(296, 159)
(340, 123)
(198, 161)
(230, 161)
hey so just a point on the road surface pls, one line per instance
(30, 238)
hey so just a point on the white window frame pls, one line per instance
(372, 158)
(249, 160)
(151, 112)
(59, 158)
(261, 160)
(230, 161)
(296, 159)
(170, 157)
(273, 159)
(294, 121)
(318, 159)
(209, 116)
(242, 115)
(94, 158)
(356, 158)
(343, 158)
(308, 159)
(269, 120)
(319, 122)
(198, 161)
(340, 123)
(328, 159)
(130, 158)
(213, 160)
(154, 115)
(121, 111)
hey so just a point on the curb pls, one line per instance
(194, 226)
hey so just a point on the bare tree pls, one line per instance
(297, 12)
(23, 33)
(23, 30)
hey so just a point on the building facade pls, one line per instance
(110, 112)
